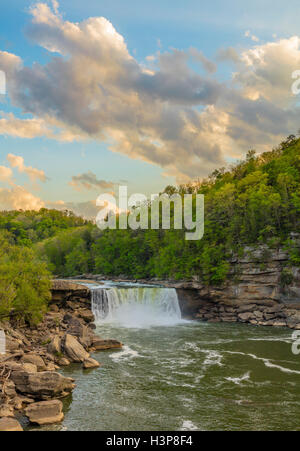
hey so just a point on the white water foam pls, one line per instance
(125, 354)
(239, 380)
(188, 425)
(136, 307)
(212, 358)
(266, 362)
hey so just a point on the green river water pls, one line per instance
(189, 376)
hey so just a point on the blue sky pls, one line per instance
(149, 28)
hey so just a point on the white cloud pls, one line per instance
(18, 198)
(5, 174)
(167, 114)
(33, 173)
(266, 71)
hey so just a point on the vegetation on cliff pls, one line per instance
(254, 201)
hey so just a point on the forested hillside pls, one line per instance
(253, 202)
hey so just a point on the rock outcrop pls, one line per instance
(35, 360)
(90, 363)
(44, 385)
(262, 289)
(10, 425)
(29, 383)
(64, 291)
(74, 350)
(102, 345)
(45, 412)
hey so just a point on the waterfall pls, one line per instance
(136, 307)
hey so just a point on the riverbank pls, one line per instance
(35, 372)
(31, 388)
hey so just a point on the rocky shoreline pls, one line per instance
(263, 289)
(31, 389)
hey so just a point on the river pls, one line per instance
(180, 375)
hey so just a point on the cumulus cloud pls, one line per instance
(266, 71)
(33, 173)
(18, 198)
(5, 174)
(168, 114)
(89, 181)
(96, 89)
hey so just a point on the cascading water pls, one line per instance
(136, 307)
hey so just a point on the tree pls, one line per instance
(24, 282)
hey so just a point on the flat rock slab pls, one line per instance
(10, 425)
(42, 385)
(102, 345)
(45, 412)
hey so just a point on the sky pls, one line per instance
(144, 94)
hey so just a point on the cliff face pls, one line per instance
(262, 289)
(67, 291)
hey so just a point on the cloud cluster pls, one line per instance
(171, 111)
(89, 181)
(5, 174)
(17, 197)
(33, 173)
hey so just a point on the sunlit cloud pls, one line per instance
(171, 110)
(33, 173)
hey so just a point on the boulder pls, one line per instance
(90, 363)
(42, 385)
(12, 344)
(63, 361)
(45, 412)
(73, 349)
(13, 366)
(100, 345)
(51, 367)
(6, 410)
(10, 425)
(35, 360)
(245, 317)
(30, 367)
(54, 346)
(8, 388)
(258, 315)
(77, 328)
(87, 316)
(246, 308)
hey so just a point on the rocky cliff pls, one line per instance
(263, 289)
